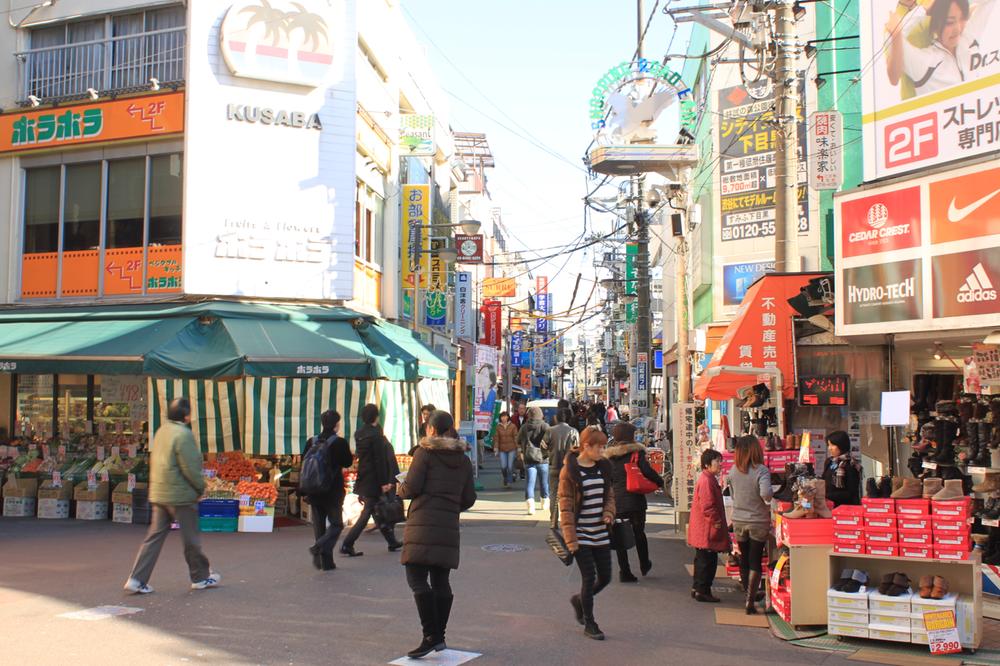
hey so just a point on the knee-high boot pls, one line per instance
(443, 603)
(427, 610)
(752, 584)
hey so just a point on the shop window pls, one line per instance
(82, 210)
(368, 220)
(357, 227)
(165, 186)
(113, 404)
(72, 404)
(119, 402)
(34, 403)
(126, 184)
(41, 210)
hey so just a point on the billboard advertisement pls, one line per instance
(486, 385)
(737, 278)
(929, 88)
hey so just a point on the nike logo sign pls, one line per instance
(956, 214)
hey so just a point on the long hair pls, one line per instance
(939, 14)
(748, 453)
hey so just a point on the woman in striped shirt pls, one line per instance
(586, 511)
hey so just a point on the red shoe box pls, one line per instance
(962, 540)
(914, 522)
(849, 515)
(916, 537)
(877, 506)
(952, 525)
(910, 507)
(943, 553)
(918, 552)
(849, 547)
(784, 507)
(847, 533)
(880, 536)
(881, 522)
(781, 601)
(884, 549)
(806, 531)
(960, 508)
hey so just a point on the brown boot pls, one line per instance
(910, 489)
(952, 490)
(819, 499)
(806, 494)
(990, 484)
(932, 485)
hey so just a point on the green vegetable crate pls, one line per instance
(218, 524)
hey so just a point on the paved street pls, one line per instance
(274, 608)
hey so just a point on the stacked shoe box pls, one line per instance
(920, 606)
(847, 613)
(952, 532)
(889, 616)
(913, 522)
(849, 532)
(880, 530)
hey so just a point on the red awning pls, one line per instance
(759, 337)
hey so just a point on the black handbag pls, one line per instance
(389, 509)
(558, 545)
(622, 536)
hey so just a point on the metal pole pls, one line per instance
(680, 307)
(642, 323)
(786, 156)
(640, 17)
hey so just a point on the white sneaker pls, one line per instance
(545, 504)
(531, 506)
(135, 587)
(212, 581)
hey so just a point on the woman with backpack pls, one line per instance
(324, 460)
(531, 440)
(439, 485)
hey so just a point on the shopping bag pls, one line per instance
(635, 481)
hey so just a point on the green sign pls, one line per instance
(57, 126)
(630, 72)
(631, 283)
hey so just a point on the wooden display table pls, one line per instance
(808, 584)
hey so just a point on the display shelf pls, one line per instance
(807, 565)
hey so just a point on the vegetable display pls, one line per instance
(258, 491)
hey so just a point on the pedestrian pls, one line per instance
(841, 472)
(630, 507)
(520, 413)
(707, 531)
(750, 487)
(612, 414)
(175, 484)
(531, 441)
(439, 485)
(505, 446)
(560, 440)
(586, 512)
(376, 465)
(327, 508)
(425, 414)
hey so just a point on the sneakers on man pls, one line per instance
(212, 581)
(135, 587)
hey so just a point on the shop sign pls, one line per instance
(823, 390)
(486, 381)
(499, 287)
(631, 282)
(464, 322)
(516, 348)
(942, 632)
(541, 284)
(416, 234)
(987, 361)
(490, 324)
(8, 366)
(966, 206)
(737, 278)
(931, 109)
(747, 138)
(687, 454)
(826, 160)
(883, 222)
(246, 113)
(416, 134)
(640, 73)
(966, 283)
(135, 117)
(885, 292)
(284, 41)
(436, 298)
(543, 306)
(470, 248)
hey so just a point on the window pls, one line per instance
(126, 184)
(369, 209)
(82, 210)
(41, 204)
(165, 188)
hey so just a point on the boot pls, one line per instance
(932, 485)
(886, 486)
(819, 499)
(531, 506)
(427, 609)
(872, 487)
(952, 490)
(909, 489)
(326, 562)
(443, 603)
(389, 532)
(989, 485)
(752, 584)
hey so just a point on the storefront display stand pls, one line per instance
(807, 565)
(963, 576)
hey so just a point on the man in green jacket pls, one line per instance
(175, 484)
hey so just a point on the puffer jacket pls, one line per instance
(175, 477)
(571, 495)
(375, 461)
(440, 485)
(618, 455)
(506, 437)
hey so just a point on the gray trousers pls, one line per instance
(554, 502)
(159, 528)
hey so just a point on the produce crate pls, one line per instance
(218, 524)
(121, 513)
(91, 510)
(18, 507)
(256, 523)
(53, 508)
(218, 508)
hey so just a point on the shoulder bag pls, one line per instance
(635, 481)
(389, 509)
(558, 545)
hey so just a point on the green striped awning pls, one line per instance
(216, 409)
(400, 407)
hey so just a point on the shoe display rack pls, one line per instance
(801, 599)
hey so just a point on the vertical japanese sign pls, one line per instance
(542, 305)
(464, 322)
(826, 138)
(435, 298)
(541, 285)
(491, 324)
(516, 348)
(416, 214)
(687, 454)
(631, 306)
(486, 385)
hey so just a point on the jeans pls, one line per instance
(638, 521)
(159, 528)
(541, 472)
(323, 509)
(595, 574)
(417, 578)
(706, 562)
(368, 503)
(507, 459)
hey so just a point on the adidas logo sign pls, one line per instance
(977, 287)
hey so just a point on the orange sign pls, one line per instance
(964, 207)
(135, 117)
(498, 287)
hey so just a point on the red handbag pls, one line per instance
(635, 481)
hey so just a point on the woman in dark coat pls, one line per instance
(841, 472)
(376, 466)
(439, 485)
(630, 506)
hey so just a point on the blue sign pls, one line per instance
(737, 278)
(541, 325)
(657, 359)
(542, 303)
(516, 347)
(641, 376)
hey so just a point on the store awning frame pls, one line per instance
(775, 374)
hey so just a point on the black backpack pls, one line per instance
(316, 477)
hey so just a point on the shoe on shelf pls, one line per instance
(909, 489)
(940, 590)
(926, 586)
(212, 581)
(872, 487)
(990, 484)
(952, 490)
(350, 552)
(932, 486)
(135, 587)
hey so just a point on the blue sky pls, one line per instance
(522, 73)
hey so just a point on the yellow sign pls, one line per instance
(938, 620)
(499, 287)
(416, 213)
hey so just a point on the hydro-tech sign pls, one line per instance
(883, 292)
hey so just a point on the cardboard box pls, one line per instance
(886, 521)
(880, 536)
(121, 513)
(847, 616)
(916, 537)
(18, 507)
(883, 602)
(53, 508)
(100, 493)
(913, 507)
(91, 510)
(256, 524)
(914, 522)
(848, 600)
(121, 494)
(50, 491)
(883, 549)
(875, 506)
(836, 629)
(20, 488)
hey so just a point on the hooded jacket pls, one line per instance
(533, 431)
(571, 495)
(440, 485)
(618, 455)
(375, 461)
(560, 440)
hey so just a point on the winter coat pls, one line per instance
(506, 437)
(851, 492)
(376, 461)
(440, 485)
(560, 440)
(175, 477)
(571, 495)
(338, 458)
(619, 454)
(532, 431)
(707, 529)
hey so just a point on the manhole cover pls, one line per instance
(505, 548)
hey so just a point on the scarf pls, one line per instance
(843, 462)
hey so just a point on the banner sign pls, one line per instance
(823, 390)
(436, 297)
(416, 135)
(541, 285)
(416, 234)
(737, 278)
(886, 292)
(516, 348)
(687, 454)
(490, 324)
(631, 283)
(486, 385)
(826, 140)
(924, 103)
(499, 287)
(469, 248)
(464, 321)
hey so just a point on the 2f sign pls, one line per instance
(912, 140)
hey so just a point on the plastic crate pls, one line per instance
(218, 524)
(219, 508)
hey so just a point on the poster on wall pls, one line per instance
(486, 385)
(687, 454)
(930, 85)
(737, 278)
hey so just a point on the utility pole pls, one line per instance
(786, 149)
(681, 308)
(642, 318)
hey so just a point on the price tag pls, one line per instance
(57, 479)
(248, 479)
(104, 476)
(929, 465)
(115, 452)
(989, 522)
(89, 427)
(244, 500)
(91, 480)
(776, 574)
(942, 633)
(131, 482)
(102, 427)
(62, 450)
(258, 506)
(132, 450)
(976, 470)
(100, 453)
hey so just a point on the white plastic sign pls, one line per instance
(57, 479)
(91, 480)
(244, 500)
(131, 482)
(100, 453)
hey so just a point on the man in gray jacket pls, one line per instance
(560, 439)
